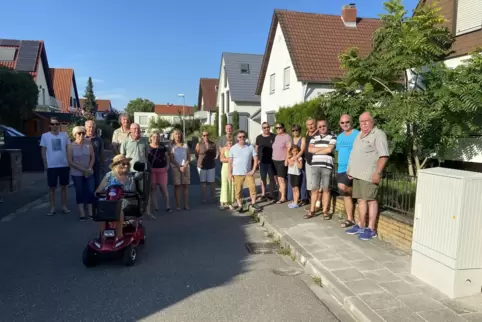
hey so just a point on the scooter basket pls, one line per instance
(108, 210)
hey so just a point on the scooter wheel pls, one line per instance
(129, 256)
(89, 257)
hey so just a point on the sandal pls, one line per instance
(279, 202)
(187, 208)
(347, 223)
(261, 199)
(326, 217)
(309, 215)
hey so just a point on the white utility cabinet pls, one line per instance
(447, 231)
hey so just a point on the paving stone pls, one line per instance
(433, 292)
(347, 274)
(366, 265)
(380, 301)
(364, 286)
(325, 254)
(336, 263)
(420, 302)
(353, 256)
(458, 306)
(400, 288)
(304, 240)
(397, 267)
(313, 248)
(381, 275)
(409, 278)
(399, 314)
(473, 317)
(330, 241)
(441, 315)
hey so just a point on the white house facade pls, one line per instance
(236, 89)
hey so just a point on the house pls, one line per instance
(103, 107)
(65, 89)
(30, 56)
(207, 108)
(169, 112)
(301, 58)
(238, 77)
(464, 20)
(39, 122)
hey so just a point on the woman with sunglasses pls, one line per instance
(80, 156)
(280, 159)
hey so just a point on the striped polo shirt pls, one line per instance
(320, 141)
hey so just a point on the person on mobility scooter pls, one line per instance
(122, 194)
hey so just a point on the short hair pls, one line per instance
(281, 124)
(124, 115)
(242, 132)
(54, 118)
(230, 124)
(265, 123)
(90, 121)
(78, 129)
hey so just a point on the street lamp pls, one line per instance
(183, 115)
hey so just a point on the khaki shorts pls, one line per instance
(181, 177)
(364, 190)
(238, 185)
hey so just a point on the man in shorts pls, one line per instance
(54, 155)
(344, 145)
(368, 159)
(243, 161)
(264, 149)
(322, 146)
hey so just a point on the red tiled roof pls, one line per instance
(40, 59)
(315, 42)
(173, 109)
(102, 105)
(207, 92)
(62, 80)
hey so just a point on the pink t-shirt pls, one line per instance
(280, 145)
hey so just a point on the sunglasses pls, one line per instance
(124, 164)
(80, 133)
(205, 135)
(321, 126)
(241, 137)
(54, 124)
(347, 122)
(266, 127)
(295, 130)
(279, 127)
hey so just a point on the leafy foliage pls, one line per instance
(192, 125)
(159, 123)
(18, 97)
(216, 122)
(224, 121)
(235, 121)
(139, 105)
(299, 113)
(211, 129)
(112, 119)
(90, 105)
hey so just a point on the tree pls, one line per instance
(90, 105)
(112, 119)
(158, 123)
(389, 82)
(235, 121)
(139, 105)
(224, 121)
(216, 121)
(18, 97)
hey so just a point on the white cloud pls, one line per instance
(94, 80)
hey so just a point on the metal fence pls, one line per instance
(397, 192)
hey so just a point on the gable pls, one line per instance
(207, 93)
(242, 85)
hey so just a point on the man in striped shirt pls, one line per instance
(322, 146)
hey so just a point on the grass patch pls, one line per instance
(270, 235)
(284, 251)
(397, 192)
(317, 281)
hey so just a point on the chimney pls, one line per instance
(348, 15)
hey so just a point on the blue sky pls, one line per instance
(152, 49)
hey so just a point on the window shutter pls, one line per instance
(469, 16)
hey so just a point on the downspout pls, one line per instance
(304, 88)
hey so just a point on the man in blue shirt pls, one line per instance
(344, 145)
(243, 161)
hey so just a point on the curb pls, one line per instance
(344, 297)
(25, 208)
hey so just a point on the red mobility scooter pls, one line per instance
(108, 211)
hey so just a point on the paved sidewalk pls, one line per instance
(370, 279)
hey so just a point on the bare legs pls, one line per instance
(177, 196)
(282, 189)
(348, 200)
(372, 207)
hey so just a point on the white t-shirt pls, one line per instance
(56, 149)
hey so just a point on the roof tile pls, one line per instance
(173, 109)
(62, 79)
(208, 93)
(102, 105)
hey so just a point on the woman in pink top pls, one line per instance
(280, 159)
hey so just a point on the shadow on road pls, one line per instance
(43, 279)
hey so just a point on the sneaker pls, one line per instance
(293, 205)
(256, 207)
(354, 230)
(367, 234)
(239, 210)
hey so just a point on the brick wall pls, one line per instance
(393, 228)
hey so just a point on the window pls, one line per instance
(469, 16)
(286, 78)
(227, 101)
(143, 120)
(225, 77)
(223, 110)
(244, 68)
(272, 83)
(270, 117)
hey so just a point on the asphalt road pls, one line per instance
(194, 267)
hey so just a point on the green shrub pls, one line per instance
(224, 121)
(211, 129)
(216, 122)
(235, 120)
(299, 113)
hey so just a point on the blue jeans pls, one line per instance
(84, 189)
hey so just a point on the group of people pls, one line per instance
(301, 168)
